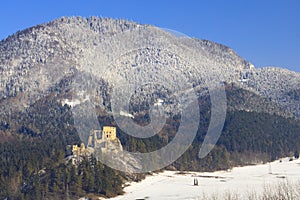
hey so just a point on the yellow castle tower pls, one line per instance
(109, 133)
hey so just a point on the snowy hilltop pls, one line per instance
(32, 61)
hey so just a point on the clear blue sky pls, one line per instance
(267, 33)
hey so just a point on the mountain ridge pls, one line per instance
(34, 63)
(66, 40)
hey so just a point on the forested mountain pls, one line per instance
(49, 70)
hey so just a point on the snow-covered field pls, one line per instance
(241, 180)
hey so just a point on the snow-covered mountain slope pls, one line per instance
(32, 61)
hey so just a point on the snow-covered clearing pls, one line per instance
(241, 180)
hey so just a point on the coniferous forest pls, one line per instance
(35, 166)
(32, 168)
(33, 154)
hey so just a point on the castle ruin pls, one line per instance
(108, 139)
